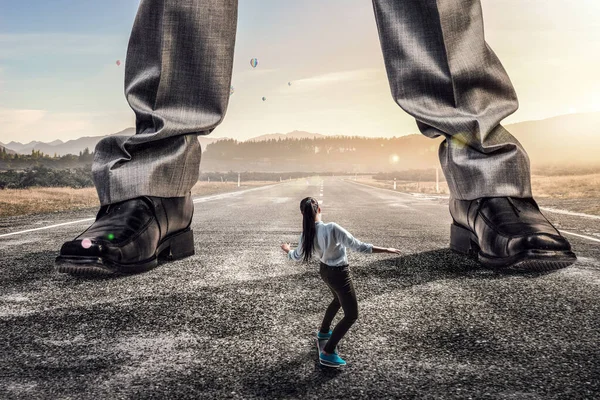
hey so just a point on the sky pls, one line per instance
(59, 78)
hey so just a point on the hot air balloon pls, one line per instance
(118, 63)
(289, 83)
(264, 99)
(254, 62)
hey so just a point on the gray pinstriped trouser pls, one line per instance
(440, 69)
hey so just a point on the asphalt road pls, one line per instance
(237, 320)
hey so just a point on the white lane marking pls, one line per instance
(566, 212)
(48, 227)
(434, 197)
(196, 200)
(231, 194)
(429, 196)
(581, 236)
(280, 200)
(375, 187)
(544, 208)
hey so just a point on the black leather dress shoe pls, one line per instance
(508, 232)
(129, 237)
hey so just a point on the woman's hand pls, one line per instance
(393, 250)
(286, 247)
(377, 249)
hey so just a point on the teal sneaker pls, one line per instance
(331, 360)
(323, 336)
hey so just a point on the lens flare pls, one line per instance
(111, 236)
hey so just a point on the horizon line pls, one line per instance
(295, 130)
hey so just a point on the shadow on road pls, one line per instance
(414, 269)
(290, 379)
(197, 329)
(29, 268)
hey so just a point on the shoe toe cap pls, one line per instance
(88, 248)
(542, 241)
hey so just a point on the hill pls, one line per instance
(565, 140)
(571, 139)
(74, 146)
(7, 150)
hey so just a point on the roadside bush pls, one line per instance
(41, 176)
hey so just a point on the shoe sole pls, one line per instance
(465, 242)
(179, 245)
(327, 364)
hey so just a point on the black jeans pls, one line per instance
(340, 283)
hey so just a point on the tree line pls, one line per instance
(328, 154)
(42, 176)
(257, 160)
(23, 161)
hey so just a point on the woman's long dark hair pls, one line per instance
(308, 207)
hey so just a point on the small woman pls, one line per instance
(329, 241)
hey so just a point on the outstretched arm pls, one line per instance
(345, 237)
(296, 254)
(377, 249)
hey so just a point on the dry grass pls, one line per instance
(45, 200)
(15, 202)
(567, 187)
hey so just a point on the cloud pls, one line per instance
(253, 74)
(340, 76)
(13, 120)
(19, 46)
(318, 82)
(25, 125)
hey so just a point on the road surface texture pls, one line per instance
(238, 319)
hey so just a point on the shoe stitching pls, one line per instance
(514, 206)
(468, 211)
(125, 242)
(489, 225)
(153, 209)
(166, 216)
(89, 227)
(479, 206)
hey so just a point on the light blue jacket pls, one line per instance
(331, 241)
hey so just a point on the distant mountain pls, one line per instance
(562, 140)
(20, 147)
(571, 139)
(283, 136)
(8, 151)
(61, 148)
